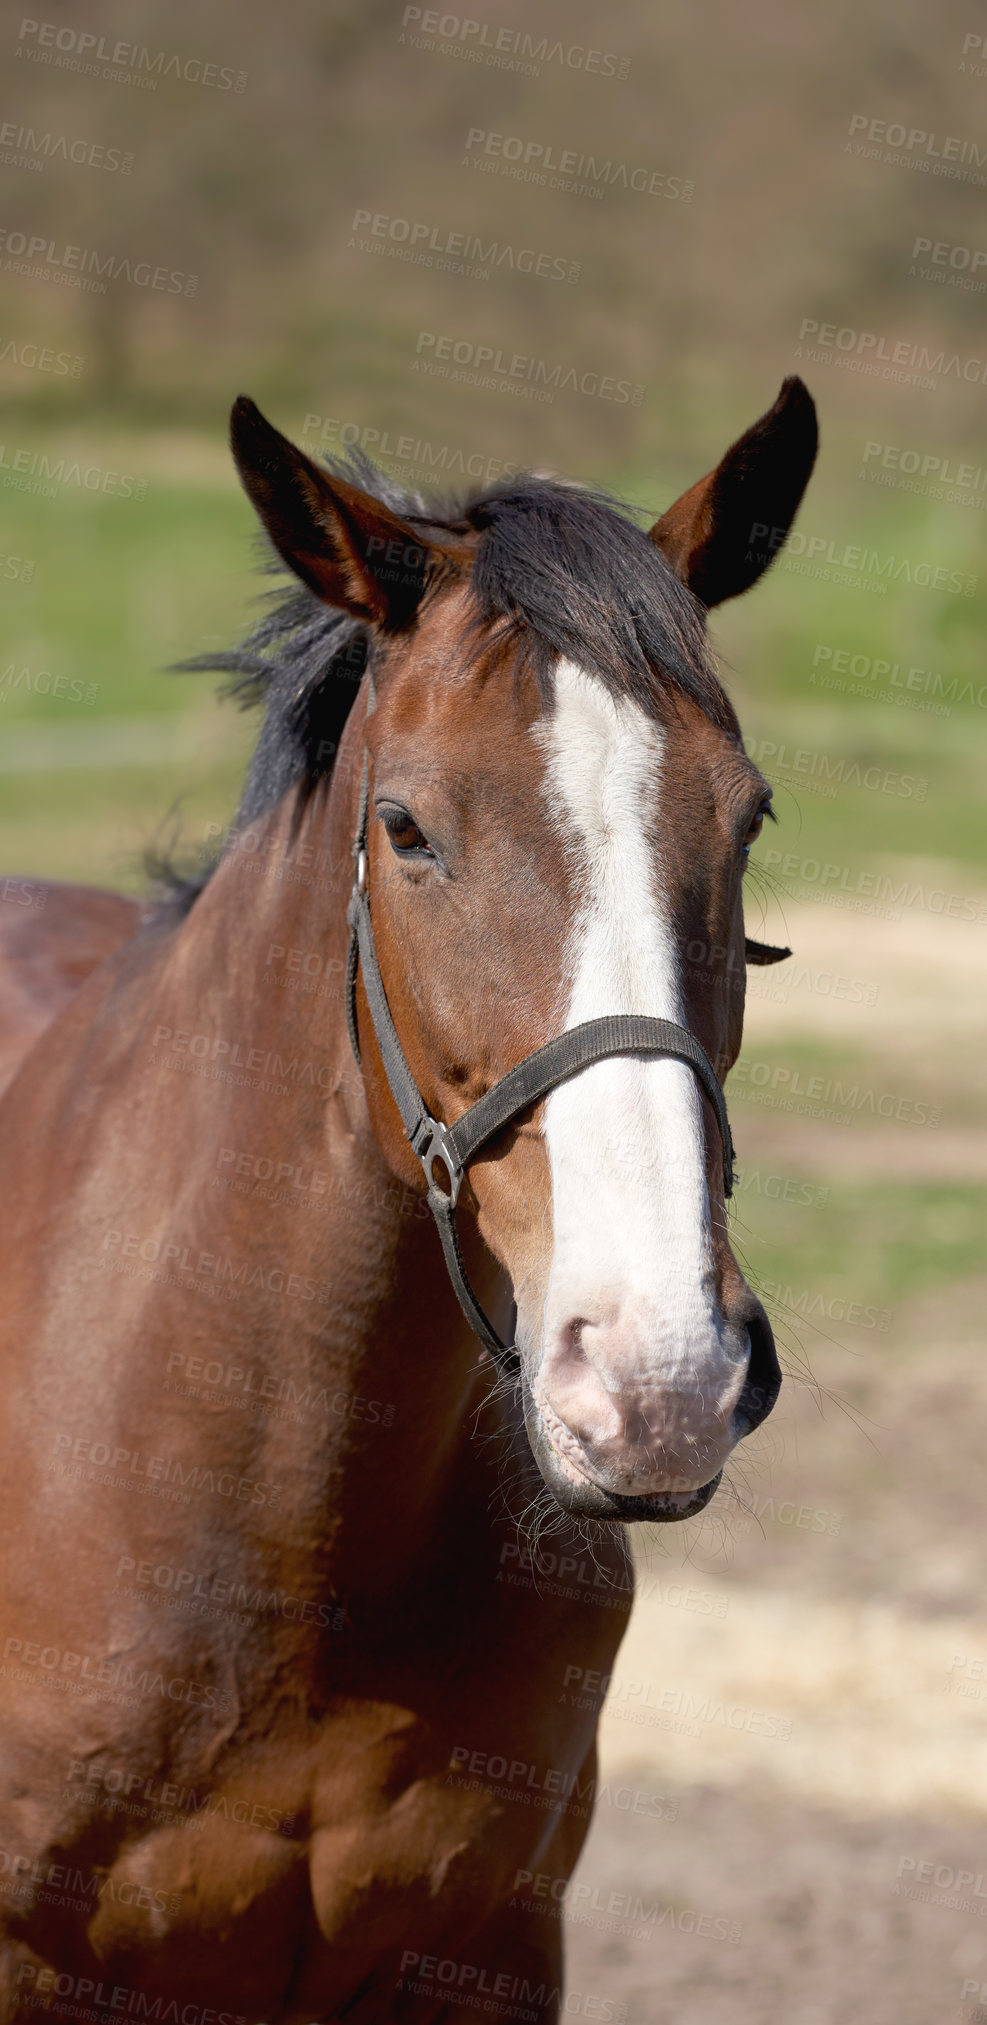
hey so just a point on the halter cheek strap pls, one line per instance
(453, 1146)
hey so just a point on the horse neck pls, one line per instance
(386, 1334)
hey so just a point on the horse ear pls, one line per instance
(346, 546)
(722, 534)
(763, 952)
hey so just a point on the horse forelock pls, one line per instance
(584, 584)
(559, 570)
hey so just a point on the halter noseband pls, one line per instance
(455, 1145)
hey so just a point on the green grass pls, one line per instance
(875, 1243)
(120, 590)
(96, 825)
(857, 1081)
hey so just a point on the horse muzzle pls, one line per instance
(622, 1434)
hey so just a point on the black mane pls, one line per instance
(562, 569)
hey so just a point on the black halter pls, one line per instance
(455, 1145)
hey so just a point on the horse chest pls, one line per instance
(406, 1848)
(433, 1838)
(417, 1823)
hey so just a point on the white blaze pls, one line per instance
(633, 1253)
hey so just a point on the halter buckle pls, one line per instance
(431, 1142)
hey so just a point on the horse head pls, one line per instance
(559, 812)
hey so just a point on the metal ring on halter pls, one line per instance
(437, 1145)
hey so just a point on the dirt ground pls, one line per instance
(824, 1936)
(802, 1695)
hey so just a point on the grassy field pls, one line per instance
(110, 592)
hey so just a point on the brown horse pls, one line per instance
(283, 1710)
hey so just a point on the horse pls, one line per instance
(363, 1215)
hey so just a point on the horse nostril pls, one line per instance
(572, 1337)
(763, 1381)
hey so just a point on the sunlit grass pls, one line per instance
(875, 1243)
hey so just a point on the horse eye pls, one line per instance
(756, 827)
(403, 834)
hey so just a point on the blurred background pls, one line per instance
(595, 241)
